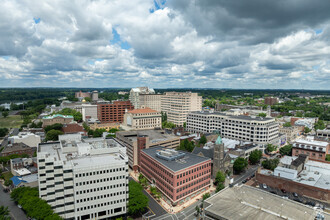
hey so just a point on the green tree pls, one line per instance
(219, 187)
(203, 140)
(4, 213)
(287, 124)
(240, 164)
(5, 114)
(327, 158)
(220, 178)
(88, 99)
(185, 124)
(138, 202)
(3, 132)
(270, 148)
(52, 135)
(307, 130)
(143, 181)
(206, 195)
(255, 156)
(263, 115)
(56, 126)
(8, 182)
(286, 150)
(319, 125)
(270, 164)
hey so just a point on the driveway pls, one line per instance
(15, 212)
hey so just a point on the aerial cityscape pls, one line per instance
(165, 110)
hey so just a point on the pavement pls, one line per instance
(15, 212)
(238, 180)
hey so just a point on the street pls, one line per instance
(15, 212)
(238, 180)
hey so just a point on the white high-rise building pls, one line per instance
(134, 95)
(83, 178)
(177, 105)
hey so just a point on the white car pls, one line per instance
(19, 206)
(264, 186)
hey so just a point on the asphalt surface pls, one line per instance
(15, 212)
(238, 180)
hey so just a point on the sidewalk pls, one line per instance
(169, 208)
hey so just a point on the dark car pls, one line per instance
(283, 190)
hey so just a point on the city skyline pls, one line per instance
(166, 44)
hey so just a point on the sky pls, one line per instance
(255, 44)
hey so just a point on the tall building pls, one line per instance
(113, 112)
(153, 101)
(144, 118)
(81, 94)
(88, 111)
(177, 105)
(240, 127)
(83, 178)
(134, 95)
(271, 100)
(95, 96)
(178, 175)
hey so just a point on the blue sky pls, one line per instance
(166, 44)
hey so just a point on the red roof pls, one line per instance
(142, 110)
(72, 128)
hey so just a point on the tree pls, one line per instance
(197, 209)
(5, 114)
(206, 195)
(3, 132)
(220, 178)
(56, 126)
(138, 202)
(88, 99)
(327, 158)
(52, 135)
(270, 164)
(185, 124)
(287, 124)
(143, 181)
(255, 156)
(263, 115)
(186, 145)
(219, 187)
(319, 125)
(240, 164)
(270, 148)
(286, 150)
(203, 140)
(307, 130)
(4, 213)
(8, 182)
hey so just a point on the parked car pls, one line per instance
(283, 190)
(295, 194)
(19, 206)
(264, 186)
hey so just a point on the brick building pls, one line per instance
(56, 119)
(73, 128)
(178, 175)
(113, 112)
(271, 100)
(316, 150)
(18, 148)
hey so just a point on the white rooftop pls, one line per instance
(312, 142)
(23, 172)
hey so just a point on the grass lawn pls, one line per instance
(7, 175)
(12, 121)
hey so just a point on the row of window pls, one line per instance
(193, 183)
(102, 197)
(100, 188)
(100, 172)
(197, 169)
(191, 178)
(100, 180)
(191, 190)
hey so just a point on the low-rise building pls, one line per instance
(20, 163)
(106, 126)
(30, 139)
(325, 133)
(271, 100)
(316, 150)
(56, 119)
(179, 175)
(291, 132)
(30, 180)
(144, 118)
(18, 148)
(74, 128)
(135, 141)
(113, 112)
(90, 177)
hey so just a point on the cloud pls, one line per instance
(201, 43)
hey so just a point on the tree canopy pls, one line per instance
(3, 132)
(270, 164)
(203, 140)
(240, 164)
(52, 135)
(287, 124)
(219, 178)
(186, 145)
(138, 202)
(68, 111)
(286, 150)
(4, 213)
(255, 156)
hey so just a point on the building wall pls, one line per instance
(82, 94)
(113, 112)
(314, 155)
(60, 120)
(31, 140)
(29, 150)
(271, 100)
(106, 126)
(152, 101)
(291, 186)
(143, 121)
(177, 105)
(258, 132)
(89, 111)
(178, 185)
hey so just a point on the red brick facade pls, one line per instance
(176, 185)
(292, 186)
(113, 112)
(18, 148)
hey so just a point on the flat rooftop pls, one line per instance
(154, 135)
(311, 142)
(188, 160)
(245, 202)
(241, 117)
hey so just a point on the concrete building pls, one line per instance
(106, 126)
(245, 202)
(299, 175)
(323, 133)
(143, 118)
(271, 100)
(177, 105)
(316, 150)
(95, 96)
(134, 95)
(83, 178)
(81, 94)
(18, 148)
(54, 119)
(135, 141)
(153, 101)
(257, 130)
(30, 139)
(113, 112)
(222, 107)
(179, 175)
(88, 111)
(291, 133)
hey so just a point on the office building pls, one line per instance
(28, 138)
(134, 95)
(83, 178)
(137, 140)
(257, 130)
(271, 100)
(113, 112)
(153, 101)
(95, 96)
(179, 175)
(143, 118)
(291, 133)
(177, 105)
(316, 150)
(56, 119)
(81, 94)
(88, 111)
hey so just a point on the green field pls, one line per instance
(12, 121)
(7, 175)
